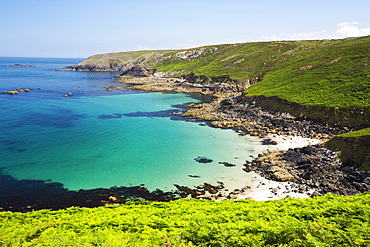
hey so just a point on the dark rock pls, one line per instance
(21, 65)
(315, 167)
(138, 71)
(203, 160)
(268, 141)
(227, 164)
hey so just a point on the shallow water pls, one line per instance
(102, 139)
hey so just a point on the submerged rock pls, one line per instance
(203, 160)
(227, 164)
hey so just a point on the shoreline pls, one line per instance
(286, 169)
(225, 111)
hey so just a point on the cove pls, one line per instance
(128, 139)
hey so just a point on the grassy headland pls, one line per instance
(325, 73)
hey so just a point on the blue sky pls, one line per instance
(80, 28)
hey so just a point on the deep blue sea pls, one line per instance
(100, 139)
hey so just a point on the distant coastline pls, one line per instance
(22, 66)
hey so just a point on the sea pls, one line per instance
(69, 129)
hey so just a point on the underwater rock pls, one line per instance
(203, 160)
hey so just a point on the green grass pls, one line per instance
(332, 74)
(322, 221)
(354, 148)
(359, 133)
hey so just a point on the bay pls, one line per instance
(101, 139)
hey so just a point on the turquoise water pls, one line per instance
(100, 139)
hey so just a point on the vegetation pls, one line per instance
(324, 80)
(332, 73)
(117, 59)
(321, 221)
(359, 133)
(354, 147)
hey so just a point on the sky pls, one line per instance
(81, 28)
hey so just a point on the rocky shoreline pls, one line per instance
(307, 171)
(301, 166)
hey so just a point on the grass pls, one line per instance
(321, 221)
(331, 73)
(354, 148)
(359, 133)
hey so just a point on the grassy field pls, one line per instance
(321, 221)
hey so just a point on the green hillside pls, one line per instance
(334, 74)
(321, 221)
(330, 73)
(324, 80)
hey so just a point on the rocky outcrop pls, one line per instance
(312, 167)
(17, 91)
(94, 67)
(248, 118)
(204, 191)
(22, 66)
(138, 71)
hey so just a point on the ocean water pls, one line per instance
(101, 139)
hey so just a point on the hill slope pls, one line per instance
(324, 80)
(321, 221)
(330, 73)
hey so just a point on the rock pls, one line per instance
(11, 92)
(232, 196)
(268, 141)
(203, 160)
(194, 176)
(138, 71)
(23, 66)
(227, 164)
(17, 91)
(211, 189)
(312, 167)
(111, 88)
